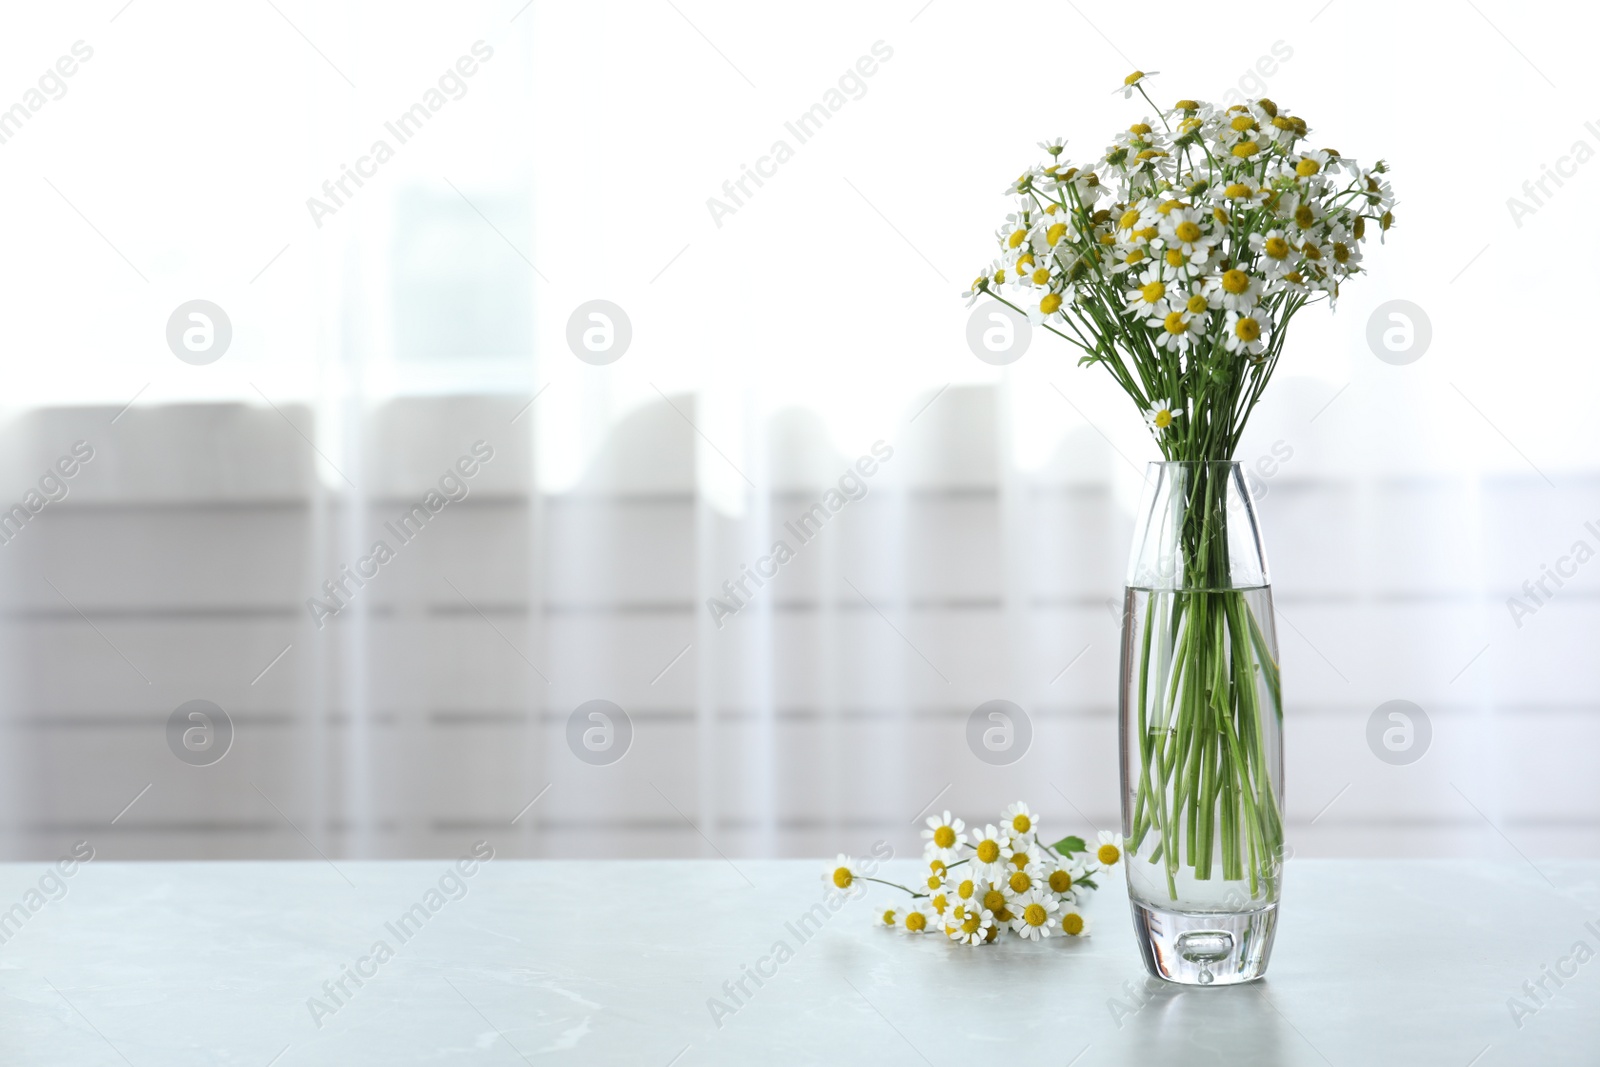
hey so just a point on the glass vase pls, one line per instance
(1201, 729)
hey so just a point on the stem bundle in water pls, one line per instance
(1205, 792)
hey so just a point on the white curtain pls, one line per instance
(780, 332)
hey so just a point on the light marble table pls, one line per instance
(173, 964)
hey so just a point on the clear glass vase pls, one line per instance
(1201, 729)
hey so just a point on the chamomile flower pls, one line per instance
(914, 921)
(1131, 81)
(995, 897)
(890, 915)
(1035, 914)
(971, 926)
(1027, 878)
(1277, 254)
(943, 836)
(1021, 851)
(1019, 819)
(1110, 850)
(1180, 329)
(1061, 877)
(1234, 290)
(1073, 921)
(1161, 414)
(979, 287)
(988, 846)
(1150, 299)
(841, 873)
(1185, 230)
(1055, 146)
(1245, 334)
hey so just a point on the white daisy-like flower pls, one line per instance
(1234, 290)
(1054, 146)
(1184, 229)
(969, 925)
(1034, 914)
(1278, 252)
(1019, 819)
(995, 897)
(1245, 334)
(1073, 921)
(1110, 850)
(1180, 329)
(1061, 874)
(916, 920)
(1150, 299)
(966, 888)
(1131, 81)
(890, 915)
(943, 836)
(988, 848)
(937, 874)
(1021, 851)
(1161, 414)
(1027, 878)
(841, 873)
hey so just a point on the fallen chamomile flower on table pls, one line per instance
(993, 879)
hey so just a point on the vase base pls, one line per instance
(1204, 948)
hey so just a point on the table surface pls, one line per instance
(172, 964)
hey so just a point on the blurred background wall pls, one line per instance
(373, 346)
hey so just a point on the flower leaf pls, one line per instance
(1070, 844)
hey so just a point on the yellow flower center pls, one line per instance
(1129, 220)
(1196, 304)
(1016, 238)
(1051, 209)
(1283, 122)
(1072, 923)
(1060, 881)
(937, 866)
(934, 881)
(1109, 853)
(1175, 258)
(971, 924)
(1163, 419)
(1235, 281)
(966, 889)
(1153, 291)
(1152, 153)
(1019, 860)
(1360, 228)
(999, 277)
(989, 851)
(1187, 105)
(1242, 123)
(1020, 882)
(1041, 276)
(1247, 329)
(1341, 252)
(1187, 231)
(1236, 190)
(1135, 256)
(1189, 125)
(916, 922)
(1220, 215)
(1035, 915)
(1303, 216)
(1049, 305)
(1149, 233)
(1246, 149)
(842, 877)
(1004, 915)
(1139, 128)
(940, 903)
(1024, 260)
(1174, 324)
(1133, 78)
(944, 837)
(1307, 167)
(1167, 206)
(1021, 824)
(1311, 251)
(1054, 234)
(993, 932)
(1276, 247)
(888, 917)
(994, 900)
